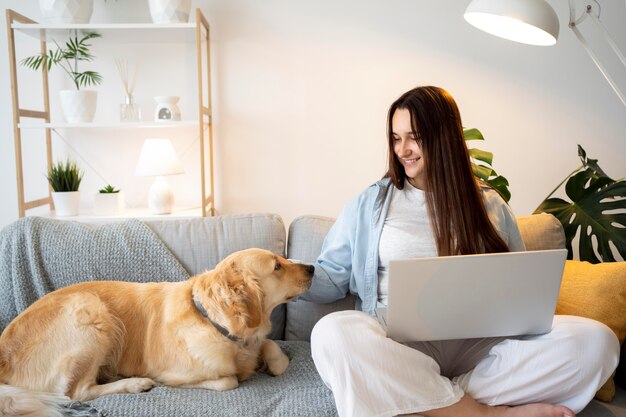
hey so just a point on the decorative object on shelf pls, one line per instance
(166, 109)
(65, 178)
(158, 158)
(485, 172)
(535, 22)
(109, 201)
(598, 210)
(170, 11)
(129, 110)
(66, 11)
(79, 106)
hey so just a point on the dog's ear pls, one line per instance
(246, 307)
(238, 296)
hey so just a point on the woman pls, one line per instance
(429, 204)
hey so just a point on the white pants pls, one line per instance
(371, 375)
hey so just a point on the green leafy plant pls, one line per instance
(64, 177)
(481, 165)
(67, 57)
(108, 189)
(597, 211)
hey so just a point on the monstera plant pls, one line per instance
(481, 165)
(597, 210)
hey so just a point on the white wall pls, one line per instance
(301, 91)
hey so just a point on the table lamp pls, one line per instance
(158, 158)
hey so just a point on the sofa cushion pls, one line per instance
(200, 243)
(218, 237)
(541, 232)
(596, 291)
(307, 233)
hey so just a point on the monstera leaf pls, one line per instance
(597, 211)
(483, 170)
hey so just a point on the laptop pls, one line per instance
(470, 296)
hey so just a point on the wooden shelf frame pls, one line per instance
(197, 32)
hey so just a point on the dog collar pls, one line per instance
(224, 331)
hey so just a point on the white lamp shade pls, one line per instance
(527, 21)
(158, 157)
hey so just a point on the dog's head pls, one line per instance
(244, 288)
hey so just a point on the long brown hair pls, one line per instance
(458, 216)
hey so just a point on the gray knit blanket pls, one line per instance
(40, 255)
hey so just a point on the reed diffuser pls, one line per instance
(129, 110)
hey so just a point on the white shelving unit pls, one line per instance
(104, 125)
(197, 33)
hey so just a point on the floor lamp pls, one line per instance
(535, 22)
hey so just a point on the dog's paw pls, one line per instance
(277, 365)
(221, 384)
(275, 360)
(136, 385)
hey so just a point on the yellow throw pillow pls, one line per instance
(596, 291)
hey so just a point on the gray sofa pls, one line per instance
(198, 244)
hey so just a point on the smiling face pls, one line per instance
(406, 148)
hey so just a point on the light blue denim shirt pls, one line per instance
(349, 256)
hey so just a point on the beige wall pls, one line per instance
(301, 91)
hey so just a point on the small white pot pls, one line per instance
(170, 11)
(66, 11)
(109, 204)
(79, 106)
(66, 203)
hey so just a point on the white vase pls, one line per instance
(170, 11)
(109, 204)
(79, 106)
(66, 203)
(66, 11)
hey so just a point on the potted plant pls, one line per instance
(596, 212)
(79, 106)
(108, 201)
(65, 178)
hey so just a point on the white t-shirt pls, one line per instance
(407, 232)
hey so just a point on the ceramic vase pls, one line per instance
(79, 106)
(170, 11)
(66, 11)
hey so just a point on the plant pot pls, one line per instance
(79, 106)
(109, 204)
(66, 203)
(66, 11)
(170, 11)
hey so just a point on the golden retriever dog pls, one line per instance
(99, 338)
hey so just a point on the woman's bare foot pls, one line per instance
(468, 407)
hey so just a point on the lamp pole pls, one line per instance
(573, 25)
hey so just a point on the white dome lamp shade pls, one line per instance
(158, 158)
(532, 22)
